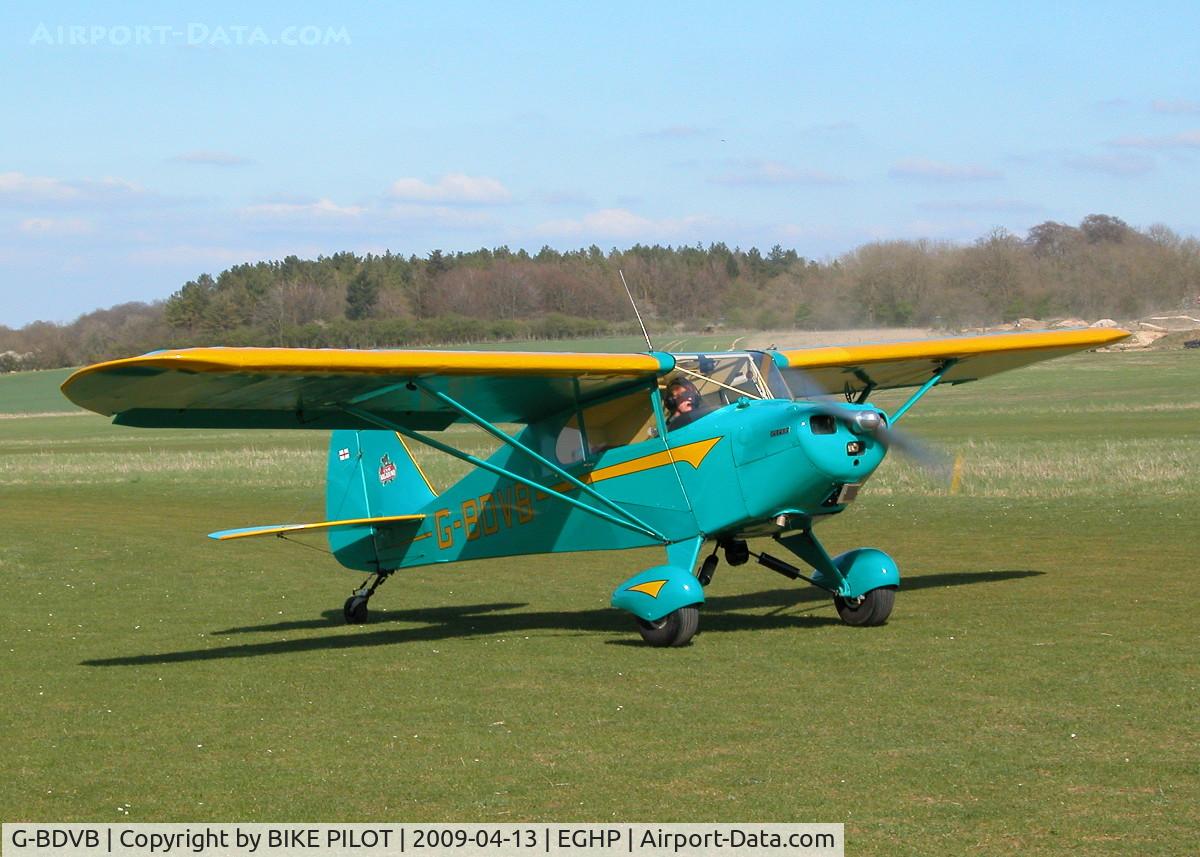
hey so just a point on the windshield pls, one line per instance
(703, 383)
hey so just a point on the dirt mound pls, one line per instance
(1177, 340)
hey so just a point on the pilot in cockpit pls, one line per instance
(684, 404)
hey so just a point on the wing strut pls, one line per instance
(504, 437)
(925, 388)
(636, 525)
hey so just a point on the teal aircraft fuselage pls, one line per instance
(750, 465)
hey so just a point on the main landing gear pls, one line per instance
(675, 629)
(872, 608)
(355, 609)
(679, 626)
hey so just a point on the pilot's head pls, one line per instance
(682, 396)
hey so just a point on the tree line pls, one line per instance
(1101, 267)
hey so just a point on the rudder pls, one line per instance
(369, 474)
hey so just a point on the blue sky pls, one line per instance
(144, 144)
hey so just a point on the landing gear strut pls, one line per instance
(871, 608)
(737, 552)
(707, 569)
(355, 608)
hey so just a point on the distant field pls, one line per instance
(34, 392)
(680, 342)
(1034, 693)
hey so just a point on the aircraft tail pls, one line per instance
(370, 474)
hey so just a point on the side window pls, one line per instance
(569, 447)
(618, 422)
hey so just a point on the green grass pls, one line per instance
(1035, 691)
(34, 392)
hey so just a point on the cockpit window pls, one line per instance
(774, 378)
(607, 424)
(703, 383)
(699, 385)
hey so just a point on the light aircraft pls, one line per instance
(600, 461)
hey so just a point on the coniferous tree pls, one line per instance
(361, 296)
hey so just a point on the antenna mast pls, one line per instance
(649, 346)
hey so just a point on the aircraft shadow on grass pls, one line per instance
(721, 613)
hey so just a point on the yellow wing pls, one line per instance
(851, 369)
(308, 387)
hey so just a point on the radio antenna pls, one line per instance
(649, 346)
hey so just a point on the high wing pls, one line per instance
(312, 388)
(855, 368)
(318, 388)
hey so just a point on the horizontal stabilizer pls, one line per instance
(282, 529)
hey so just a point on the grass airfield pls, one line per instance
(1035, 691)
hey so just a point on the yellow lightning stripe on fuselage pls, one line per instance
(690, 453)
(280, 529)
(650, 587)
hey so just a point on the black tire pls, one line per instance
(355, 610)
(675, 629)
(873, 609)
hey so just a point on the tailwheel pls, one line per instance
(355, 610)
(675, 629)
(873, 608)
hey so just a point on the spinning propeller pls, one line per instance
(933, 461)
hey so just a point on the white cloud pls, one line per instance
(55, 226)
(19, 188)
(615, 222)
(326, 216)
(774, 174)
(212, 258)
(446, 216)
(621, 223)
(923, 169)
(211, 158)
(1182, 140)
(451, 188)
(323, 209)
